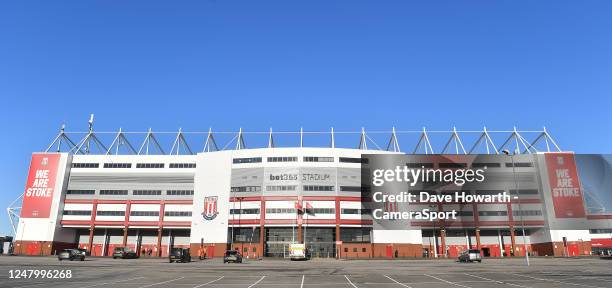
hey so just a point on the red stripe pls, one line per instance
(101, 201)
(244, 221)
(599, 217)
(177, 223)
(481, 223)
(319, 221)
(295, 198)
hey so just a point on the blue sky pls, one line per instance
(286, 64)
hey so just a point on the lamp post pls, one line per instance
(516, 187)
(433, 233)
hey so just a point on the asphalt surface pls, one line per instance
(157, 273)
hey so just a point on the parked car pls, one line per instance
(83, 251)
(71, 254)
(124, 253)
(232, 256)
(179, 255)
(470, 255)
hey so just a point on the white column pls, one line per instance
(501, 244)
(104, 243)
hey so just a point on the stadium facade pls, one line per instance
(249, 199)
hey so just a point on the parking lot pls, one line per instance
(134, 273)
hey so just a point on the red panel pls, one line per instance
(601, 243)
(565, 185)
(40, 186)
(210, 251)
(389, 251)
(96, 250)
(573, 249)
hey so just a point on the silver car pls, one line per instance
(71, 254)
(470, 255)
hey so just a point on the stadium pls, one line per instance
(98, 190)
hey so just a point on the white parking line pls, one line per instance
(397, 281)
(262, 277)
(350, 282)
(550, 280)
(448, 282)
(114, 282)
(497, 281)
(302, 285)
(164, 282)
(209, 282)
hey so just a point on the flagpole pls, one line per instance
(305, 226)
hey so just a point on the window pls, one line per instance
(350, 188)
(465, 213)
(113, 192)
(282, 159)
(489, 192)
(318, 188)
(244, 211)
(246, 189)
(81, 192)
(488, 165)
(419, 165)
(350, 211)
(117, 165)
(280, 210)
(355, 235)
(247, 160)
(316, 211)
(519, 164)
(273, 188)
(177, 213)
(600, 231)
(146, 192)
(524, 192)
(144, 213)
(182, 165)
(110, 213)
(492, 213)
(318, 159)
(353, 160)
(526, 212)
(85, 165)
(244, 235)
(179, 192)
(150, 165)
(77, 212)
(452, 165)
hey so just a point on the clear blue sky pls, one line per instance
(286, 64)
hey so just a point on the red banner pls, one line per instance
(565, 185)
(40, 186)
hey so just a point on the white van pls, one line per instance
(298, 252)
